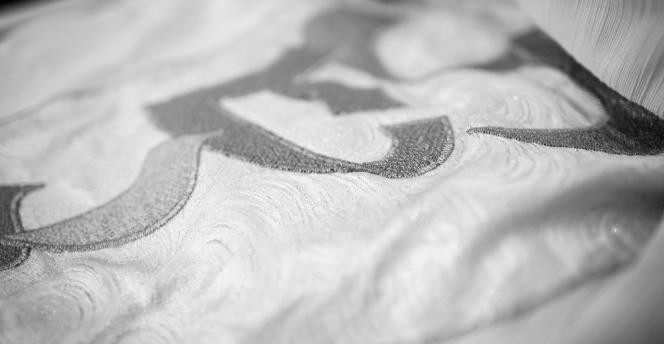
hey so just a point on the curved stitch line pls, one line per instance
(118, 241)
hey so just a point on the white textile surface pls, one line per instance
(498, 231)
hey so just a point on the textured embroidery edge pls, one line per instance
(629, 130)
(197, 121)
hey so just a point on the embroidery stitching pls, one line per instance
(196, 121)
(630, 129)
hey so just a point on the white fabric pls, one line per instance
(266, 256)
